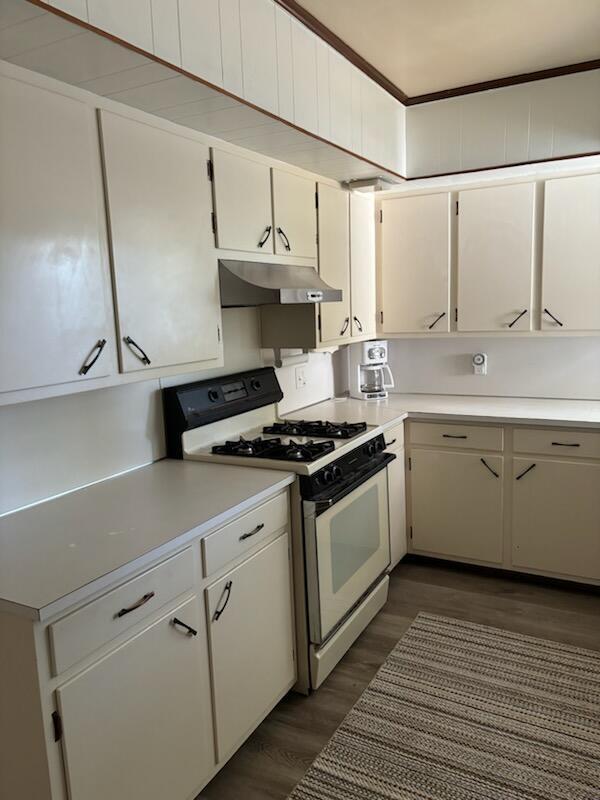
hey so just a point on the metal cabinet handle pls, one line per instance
(141, 602)
(286, 241)
(454, 436)
(265, 236)
(487, 466)
(358, 324)
(566, 444)
(252, 533)
(517, 318)
(435, 321)
(551, 315)
(522, 475)
(345, 326)
(98, 347)
(136, 350)
(389, 444)
(190, 631)
(225, 594)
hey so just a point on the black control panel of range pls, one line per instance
(342, 476)
(194, 404)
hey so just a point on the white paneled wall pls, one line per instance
(539, 120)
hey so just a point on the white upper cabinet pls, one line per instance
(200, 32)
(242, 200)
(334, 260)
(323, 90)
(362, 264)
(285, 69)
(382, 127)
(231, 46)
(54, 278)
(294, 214)
(495, 258)
(304, 54)
(571, 261)
(259, 53)
(130, 21)
(415, 264)
(165, 26)
(164, 264)
(340, 88)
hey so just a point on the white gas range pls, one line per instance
(340, 523)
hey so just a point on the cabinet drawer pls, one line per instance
(476, 437)
(394, 437)
(85, 630)
(562, 442)
(243, 534)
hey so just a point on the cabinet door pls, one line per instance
(242, 198)
(251, 642)
(340, 85)
(137, 724)
(415, 268)
(571, 266)
(362, 264)
(55, 301)
(200, 32)
(304, 59)
(295, 214)
(556, 516)
(259, 53)
(334, 260)
(164, 263)
(397, 508)
(131, 21)
(457, 504)
(495, 258)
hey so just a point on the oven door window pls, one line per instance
(352, 540)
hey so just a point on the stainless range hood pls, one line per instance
(251, 283)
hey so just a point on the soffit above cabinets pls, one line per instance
(69, 51)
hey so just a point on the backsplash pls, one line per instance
(549, 367)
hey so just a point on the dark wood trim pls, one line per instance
(372, 72)
(317, 27)
(502, 166)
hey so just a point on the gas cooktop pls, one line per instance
(274, 448)
(318, 428)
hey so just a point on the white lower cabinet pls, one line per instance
(251, 642)
(137, 723)
(556, 516)
(457, 504)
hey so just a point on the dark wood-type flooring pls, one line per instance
(278, 753)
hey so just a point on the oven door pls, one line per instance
(347, 549)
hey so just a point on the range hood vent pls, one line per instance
(251, 283)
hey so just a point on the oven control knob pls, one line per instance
(370, 449)
(336, 472)
(327, 475)
(213, 395)
(255, 384)
(379, 445)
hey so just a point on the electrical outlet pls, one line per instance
(300, 378)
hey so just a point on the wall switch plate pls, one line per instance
(300, 377)
(480, 364)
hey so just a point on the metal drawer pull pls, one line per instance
(487, 466)
(225, 594)
(454, 436)
(252, 533)
(98, 347)
(345, 326)
(522, 475)
(286, 241)
(389, 444)
(136, 350)
(190, 631)
(265, 236)
(558, 322)
(435, 321)
(566, 444)
(141, 602)
(517, 318)
(358, 324)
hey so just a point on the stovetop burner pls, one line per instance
(336, 430)
(275, 449)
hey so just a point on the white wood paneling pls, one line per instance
(200, 33)
(323, 90)
(130, 21)
(285, 69)
(165, 27)
(259, 53)
(356, 81)
(231, 46)
(304, 54)
(340, 83)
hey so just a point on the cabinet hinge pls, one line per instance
(411, 531)
(218, 333)
(381, 215)
(316, 199)
(57, 725)
(209, 169)
(319, 323)
(409, 463)
(381, 317)
(456, 315)
(213, 221)
(457, 206)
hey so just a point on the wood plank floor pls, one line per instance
(276, 756)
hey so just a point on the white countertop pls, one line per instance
(530, 411)
(59, 552)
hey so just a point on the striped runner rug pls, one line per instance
(466, 712)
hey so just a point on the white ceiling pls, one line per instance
(428, 45)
